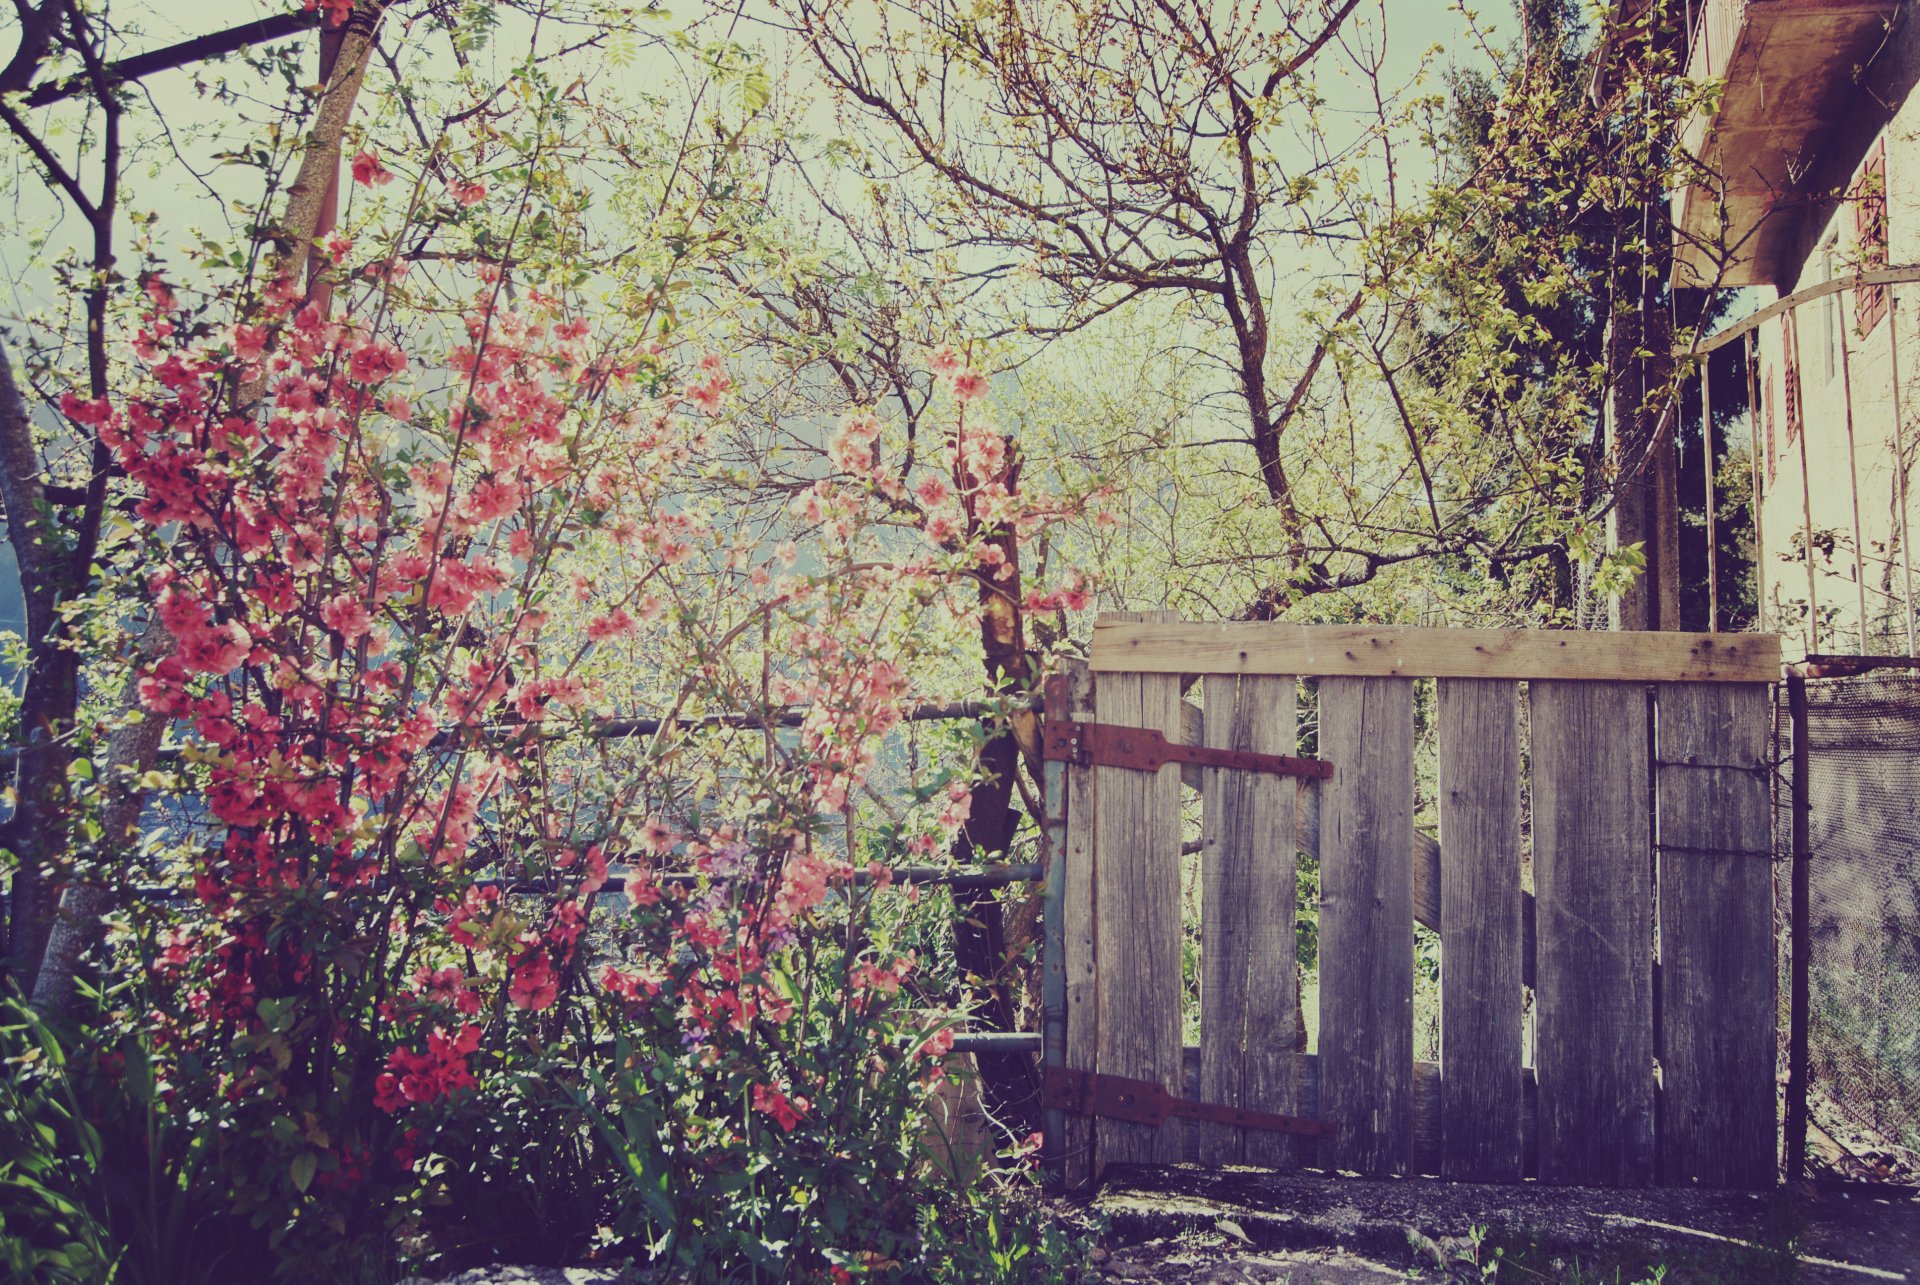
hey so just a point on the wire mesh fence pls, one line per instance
(1863, 919)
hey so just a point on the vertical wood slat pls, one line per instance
(1717, 1106)
(1480, 941)
(1366, 923)
(1078, 1163)
(1249, 990)
(1594, 888)
(1072, 817)
(1137, 914)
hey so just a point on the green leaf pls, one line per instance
(302, 1170)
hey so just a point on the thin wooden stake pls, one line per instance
(1706, 446)
(1792, 320)
(1900, 463)
(1759, 535)
(1853, 492)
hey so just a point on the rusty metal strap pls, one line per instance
(1145, 1102)
(1145, 750)
(1688, 850)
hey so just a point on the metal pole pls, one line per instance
(1853, 491)
(1900, 460)
(1053, 939)
(1791, 371)
(1797, 938)
(1759, 474)
(1706, 460)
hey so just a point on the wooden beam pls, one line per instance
(1395, 651)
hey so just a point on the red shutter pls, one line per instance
(1869, 198)
(1790, 397)
(1773, 456)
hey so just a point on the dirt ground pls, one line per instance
(1235, 1227)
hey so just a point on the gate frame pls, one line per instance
(1164, 645)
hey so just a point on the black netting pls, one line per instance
(1864, 873)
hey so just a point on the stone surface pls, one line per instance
(530, 1276)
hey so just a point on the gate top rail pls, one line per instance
(1399, 651)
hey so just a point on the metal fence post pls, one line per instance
(1053, 940)
(1798, 946)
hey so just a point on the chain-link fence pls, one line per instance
(1863, 920)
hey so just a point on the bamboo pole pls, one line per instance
(1853, 491)
(1900, 460)
(1790, 329)
(1706, 460)
(1759, 539)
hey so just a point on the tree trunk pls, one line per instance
(132, 749)
(86, 903)
(980, 944)
(36, 832)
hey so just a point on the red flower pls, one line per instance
(786, 1112)
(534, 985)
(369, 172)
(338, 11)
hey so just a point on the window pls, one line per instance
(1869, 197)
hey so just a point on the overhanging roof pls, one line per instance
(1790, 69)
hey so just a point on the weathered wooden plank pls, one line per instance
(1425, 855)
(1717, 1121)
(1137, 915)
(1366, 923)
(1249, 987)
(1395, 651)
(1480, 993)
(1593, 859)
(1426, 1107)
(1077, 935)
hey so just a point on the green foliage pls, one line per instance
(101, 1179)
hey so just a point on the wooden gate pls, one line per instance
(1630, 775)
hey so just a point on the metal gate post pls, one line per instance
(1798, 945)
(1053, 940)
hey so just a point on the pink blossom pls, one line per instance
(969, 385)
(369, 172)
(347, 616)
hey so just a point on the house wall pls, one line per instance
(1847, 456)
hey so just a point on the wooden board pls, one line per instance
(1396, 651)
(1249, 989)
(1426, 1107)
(1366, 923)
(1137, 916)
(1717, 1121)
(1425, 855)
(1077, 936)
(1592, 836)
(1480, 944)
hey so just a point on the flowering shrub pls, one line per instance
(766, 1097)
(400, 818)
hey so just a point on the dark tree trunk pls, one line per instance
(980, 940)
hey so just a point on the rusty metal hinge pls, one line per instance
(1142, 748)
(1145, 1102)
